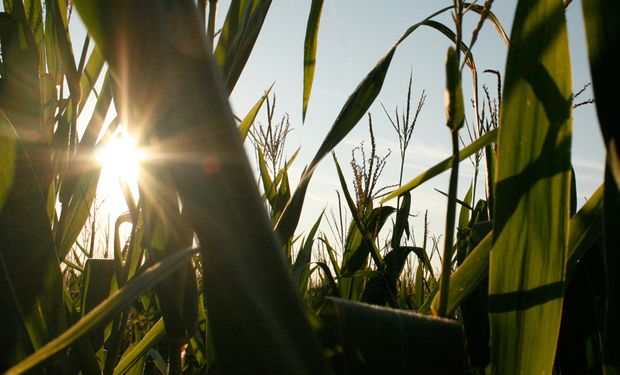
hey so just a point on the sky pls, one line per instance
(353, 36)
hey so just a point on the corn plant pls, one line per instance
(513, 285)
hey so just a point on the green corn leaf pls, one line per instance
(268, 185)
(467, 277)
(603, 37)
(97, 279)
(58, 29)
(356, 250)
(465, 209)
(402, 220)
(77, 211)
(241, 28)
(301, 267)
(90, 75)
(33, 311)
(395, 260)
(331, 254)
(7, 157)
(34, 18)
(248, 120)
(310, 44)
(83, 160)
(141, 349)
(106, 310)
(611, 237)
(328, 273)
(585, 230)
(444, 165)
(530, 236)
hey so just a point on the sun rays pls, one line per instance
(120, 159)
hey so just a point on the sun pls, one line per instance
(120, 160)
(120, 157)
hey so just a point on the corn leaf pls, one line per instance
(33, 311)
(106, 310)
(90, 75)
(241, 28)
(530, 235)
(301, 267)
(7, 157)
(611, 237)
(248, 120)
(603, 37)
(141, 349)
(312, 35)
(585, 230)
(379, 340)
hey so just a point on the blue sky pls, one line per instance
(353, 36)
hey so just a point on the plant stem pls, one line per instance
(446, 266)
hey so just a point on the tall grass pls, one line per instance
(513, 285)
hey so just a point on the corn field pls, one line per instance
(215, 276)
